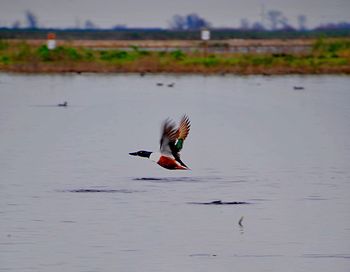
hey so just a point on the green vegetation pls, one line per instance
(326, 56)
(3, 45)
(61, 53)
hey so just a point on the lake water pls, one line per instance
(72, 199)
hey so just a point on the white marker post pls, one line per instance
(51, 41)
(205, 36)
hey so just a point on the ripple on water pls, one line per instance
(314, 198)
(202, 255)
(89, 190)
(336, 256)
(176, 179)
(259, 256)
(219, 202)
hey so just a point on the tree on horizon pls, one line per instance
(32, 20)
(189, 22)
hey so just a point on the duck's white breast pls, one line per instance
(155, 156)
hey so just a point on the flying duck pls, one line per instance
(171, 144)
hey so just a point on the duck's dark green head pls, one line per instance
(141, 153)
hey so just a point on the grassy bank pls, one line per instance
(326, 56)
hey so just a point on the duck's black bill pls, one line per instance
(133, 153)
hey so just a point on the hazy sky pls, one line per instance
(158, 13)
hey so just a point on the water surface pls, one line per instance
(72, 199)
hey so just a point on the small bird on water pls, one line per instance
(64, 104)
(171, 143)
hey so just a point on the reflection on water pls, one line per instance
(71, 198)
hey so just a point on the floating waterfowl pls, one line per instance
(171, 144)
(64, 104)
(219, 202)
(298, 88)
(240, 221)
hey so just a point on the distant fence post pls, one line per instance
(205, 36)
(51, 40)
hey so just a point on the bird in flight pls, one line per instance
(171, 144)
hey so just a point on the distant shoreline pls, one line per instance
(242, 57)
(90, 68)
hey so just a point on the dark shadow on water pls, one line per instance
(149, 179)
(219, 202)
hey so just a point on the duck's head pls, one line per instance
(141, 153)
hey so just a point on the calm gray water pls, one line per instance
(72, 199)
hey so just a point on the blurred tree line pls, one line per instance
(274, 24)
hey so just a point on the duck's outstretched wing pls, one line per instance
(172, 139)
(182, 132)
(168, 138)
